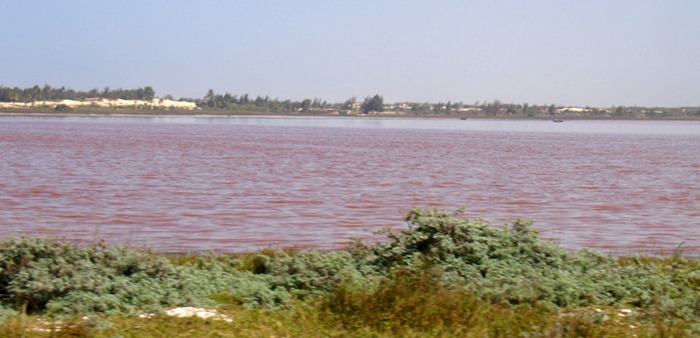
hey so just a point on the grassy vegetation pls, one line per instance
(447, 276)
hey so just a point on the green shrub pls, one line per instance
(442, 265)
(312, 272)
(511, 265)
(63, 279)
(62, 108)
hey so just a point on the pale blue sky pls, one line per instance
(585, 53)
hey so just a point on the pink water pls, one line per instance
(232, 185)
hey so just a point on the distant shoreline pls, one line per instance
(210, 114)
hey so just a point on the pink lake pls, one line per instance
(241, 184)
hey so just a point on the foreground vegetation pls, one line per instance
(445, 276)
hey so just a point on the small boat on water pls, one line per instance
(556, 120)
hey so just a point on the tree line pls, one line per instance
(228, 101)
(244, 102)
(48, 93)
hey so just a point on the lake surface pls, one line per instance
(242, 184)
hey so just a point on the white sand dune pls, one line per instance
(96, 102)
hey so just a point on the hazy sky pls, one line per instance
(585, 53)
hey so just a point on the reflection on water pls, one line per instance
(239, 184)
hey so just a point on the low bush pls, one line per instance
(445, 272)
(511, 265)
(62, 108)
(61, 279)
